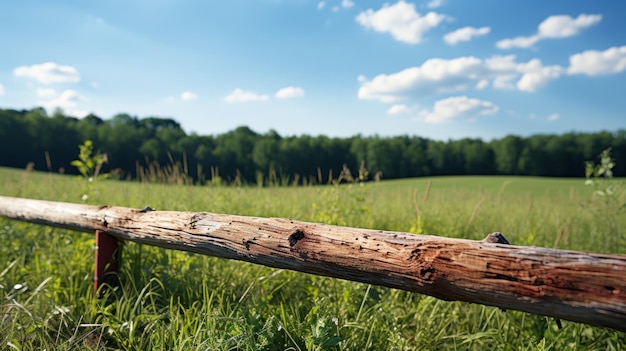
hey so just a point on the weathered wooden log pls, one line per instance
(576, 286)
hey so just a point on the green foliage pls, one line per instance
(612, 203)
(89, 165)
(600, 176)
(156, 149)
(344, 204)
(172, 300)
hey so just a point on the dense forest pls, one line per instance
(134, 145)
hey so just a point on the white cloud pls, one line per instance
(517, 42)
(320, 5)
(564, 26)
(240, 95)
(553, 27)
(346, 4)
(504, 81)
(553, 117)
(595, 63)
(445, 75)
(433, 4)
(401, 21)
(505, 71)
(188, 96)
(49, 73)
(398, 109)
(458, 107)
(501, 64)
(435, 75)
(68, 101)
(535, 75)
(482, 84)
(465, 34)
(2, 91)
(289, 92)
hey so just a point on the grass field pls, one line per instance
(171, 300)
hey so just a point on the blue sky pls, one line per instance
(437, 69)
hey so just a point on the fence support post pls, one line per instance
(106, 260)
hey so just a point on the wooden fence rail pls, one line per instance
(576, 286)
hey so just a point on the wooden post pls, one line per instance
(570, 285)
(106, 259)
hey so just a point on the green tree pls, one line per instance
(507, 152)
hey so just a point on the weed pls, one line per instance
(89, 166)
(607, 203)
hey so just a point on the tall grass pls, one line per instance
(170, 300)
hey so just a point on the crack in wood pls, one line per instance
(427, 274)
(194, 219)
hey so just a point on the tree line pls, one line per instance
(50, 142)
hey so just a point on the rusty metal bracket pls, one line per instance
(106, 259)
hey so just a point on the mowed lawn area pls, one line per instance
(170, 300)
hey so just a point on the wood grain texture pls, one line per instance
(576, 286)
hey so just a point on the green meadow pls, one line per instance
(171, 300)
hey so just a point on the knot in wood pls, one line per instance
(295, 237)
(496, 238)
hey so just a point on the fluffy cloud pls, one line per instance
(595, 63)
(68, 101)
(289, 92)
(438, 75)
(2, 92)
(458, 107)
(553, 27)
(398, 109)
(401, 21)
(565, 26)
(188, 96)
(435, 75)
(49, 73)
(482, 84)
(517, 42)
(445, 75)
(504, 81)
(346, 4)
(320, 5)
(240, 95)
(535, 75)
(465, 34)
